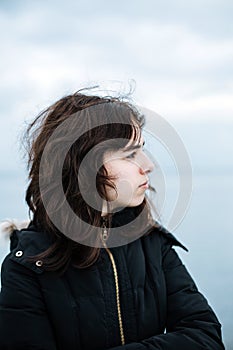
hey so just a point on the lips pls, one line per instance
(145, 184)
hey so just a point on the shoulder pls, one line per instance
(161, 240)
(25, 243)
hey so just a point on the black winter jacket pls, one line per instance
(160, 305)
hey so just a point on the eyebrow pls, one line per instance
(133, 146)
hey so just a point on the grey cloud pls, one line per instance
(211, 18)
(50, 44)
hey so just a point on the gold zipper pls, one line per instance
(104, 238)
(117, 296)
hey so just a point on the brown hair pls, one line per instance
(118, 119)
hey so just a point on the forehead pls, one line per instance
(134, 144)
(129, 147)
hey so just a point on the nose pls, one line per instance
(146, 165)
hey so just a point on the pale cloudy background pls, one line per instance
(180, 55)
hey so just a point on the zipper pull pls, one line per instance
(104, 232)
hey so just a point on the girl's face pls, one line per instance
(130, 167)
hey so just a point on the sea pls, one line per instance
(206, 227)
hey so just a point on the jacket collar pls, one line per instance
(26, 243)
(30, 241)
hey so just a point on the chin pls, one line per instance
(137, 202)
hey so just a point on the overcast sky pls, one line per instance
(179, 53)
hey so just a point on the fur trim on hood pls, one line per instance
(8, 226)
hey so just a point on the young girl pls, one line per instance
(93, 270)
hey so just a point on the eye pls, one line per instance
(131, 155)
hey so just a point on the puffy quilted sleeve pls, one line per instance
(23, 320)
(191, 323)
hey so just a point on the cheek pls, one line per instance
(121, 171)
(120, 179)
(115, 168)
(112, 172)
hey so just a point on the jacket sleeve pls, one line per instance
(23, 320)
(191, 323)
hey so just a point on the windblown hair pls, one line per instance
(96, 120)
